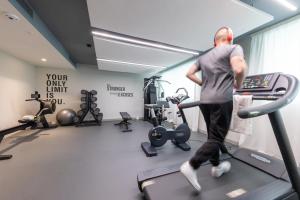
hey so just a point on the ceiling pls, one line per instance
(279, 12)
(69, 22)
(133, 53)
(173, 22)
(181, 23)
(23, 40)
(272, 7)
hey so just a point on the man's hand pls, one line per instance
(191, 74)
(239, 67)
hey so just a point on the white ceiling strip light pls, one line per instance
(287, 5)
(128, 63)
(112, 36)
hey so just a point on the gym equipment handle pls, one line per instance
(291, 93)
(189, 105)
(186, 92)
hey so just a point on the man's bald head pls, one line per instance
(223, 35)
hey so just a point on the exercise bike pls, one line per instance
(159, 134)
(159, 111)
(37, 121)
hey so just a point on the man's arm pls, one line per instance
(239, 68)
(191, 74)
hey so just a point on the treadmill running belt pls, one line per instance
(230, 186)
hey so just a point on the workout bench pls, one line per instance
(126, 117)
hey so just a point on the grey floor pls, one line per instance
(86, 163)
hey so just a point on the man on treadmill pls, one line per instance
(223, 68)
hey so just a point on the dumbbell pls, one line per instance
(84, 99)
(84, 106)
(93, 99)
(84, 92)
(76, 119)
(96, 111)
(93, 92)
(99, 117)
(93, 105)
(80, 113)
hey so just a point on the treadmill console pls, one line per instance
(263, 86)
(261, 82)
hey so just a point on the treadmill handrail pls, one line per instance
(189, 104)
(291, 93)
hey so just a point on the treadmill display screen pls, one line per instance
(259, 81)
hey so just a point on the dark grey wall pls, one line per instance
(245, 42)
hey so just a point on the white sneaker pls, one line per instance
(190, 174)
(221, 169)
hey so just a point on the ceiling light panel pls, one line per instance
(121, 67)
(136, 54)
(287, 5)
(129, 63)
(142, 42)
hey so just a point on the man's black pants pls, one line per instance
(217, 118)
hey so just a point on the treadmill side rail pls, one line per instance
(162, 171)
(153, 173)
(266, 163)
(275, 190)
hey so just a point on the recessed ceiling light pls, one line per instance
(287, 5)
(142, 42)
(44, 59)
(11, 16)
(128, 63)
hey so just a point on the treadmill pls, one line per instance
(253, 175)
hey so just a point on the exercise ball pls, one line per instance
(65, 117)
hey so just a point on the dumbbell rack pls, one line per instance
(88, 105)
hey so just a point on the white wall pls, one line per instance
(177, 77)
(245, 42)
(90, 78)
(17, 82)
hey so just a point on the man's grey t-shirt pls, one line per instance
(217, 74)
